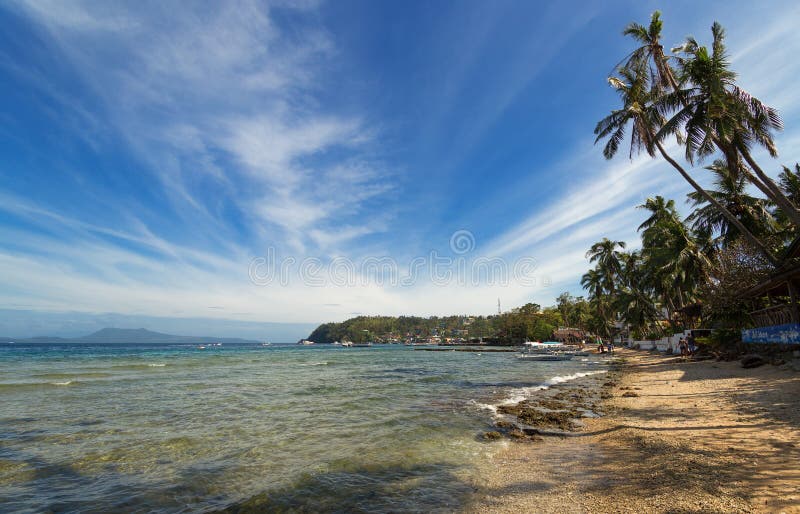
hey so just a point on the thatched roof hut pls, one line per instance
(569, 335)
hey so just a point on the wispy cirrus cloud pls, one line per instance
(238, 146)
(221, 92)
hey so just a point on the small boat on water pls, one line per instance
(347, 344)
(361, 345)
(545, 357)
(305, 342)
(533, 347)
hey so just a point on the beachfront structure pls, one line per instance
(569, 335)
(779, 321)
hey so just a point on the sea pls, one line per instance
(251, 428)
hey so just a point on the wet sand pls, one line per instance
(675, 437)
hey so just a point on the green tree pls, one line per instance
(640, 113)
(718, 114)
(607, 256)
(731, 191)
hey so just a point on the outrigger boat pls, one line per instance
(545, 357)
(532, 347)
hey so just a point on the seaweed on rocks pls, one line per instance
(551, 412)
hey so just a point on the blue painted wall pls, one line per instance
(787, 334)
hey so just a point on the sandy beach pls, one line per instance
(675, 436)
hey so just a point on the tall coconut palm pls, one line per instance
(717, 113)
(730, 191)
(650, 51)
(758, 120)
(645, 120)
(634, 300)
(675, 260)
(790, 182)
(593, 282)
(609, 261)
(661, 210)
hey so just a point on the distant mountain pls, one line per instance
(131, 335)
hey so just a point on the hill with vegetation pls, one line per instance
(529, 322)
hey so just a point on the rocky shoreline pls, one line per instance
(672, 436)
(558, 410)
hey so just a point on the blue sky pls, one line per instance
(149, 151)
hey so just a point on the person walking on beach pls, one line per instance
(600, 348)
(683, 346)
(610, 346)
(690, 345)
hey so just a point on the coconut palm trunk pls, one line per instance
(710, 199)
(777, 196)
(762, 182)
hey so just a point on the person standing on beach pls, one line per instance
(600, 348)
(610, 346)
(684, 348)
(690, 345)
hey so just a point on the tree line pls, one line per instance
(737, 232)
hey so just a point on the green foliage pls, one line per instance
(528, 322)
(730, 239)
(735, 268)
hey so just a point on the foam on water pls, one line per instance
(520, 394)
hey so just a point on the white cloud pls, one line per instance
(221, 92)
(227, 98)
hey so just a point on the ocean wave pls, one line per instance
(12, 386)
(146, 365)
(76, 374)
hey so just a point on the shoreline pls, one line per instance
(673, 436)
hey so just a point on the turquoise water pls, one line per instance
(91, 428)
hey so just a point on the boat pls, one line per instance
(361, 345)
(545, 357)
(336, 343)
(266, 344)
(346, 344)
(536, 348)
(580, 353)
(305, 342)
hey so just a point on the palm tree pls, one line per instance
(675, 258)
(756, 119)
(717, 113)
(650, 50)
(731, 192)
(608, 259)
(660, 209)
(639, 111)
(592, 281)
(790, 182)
